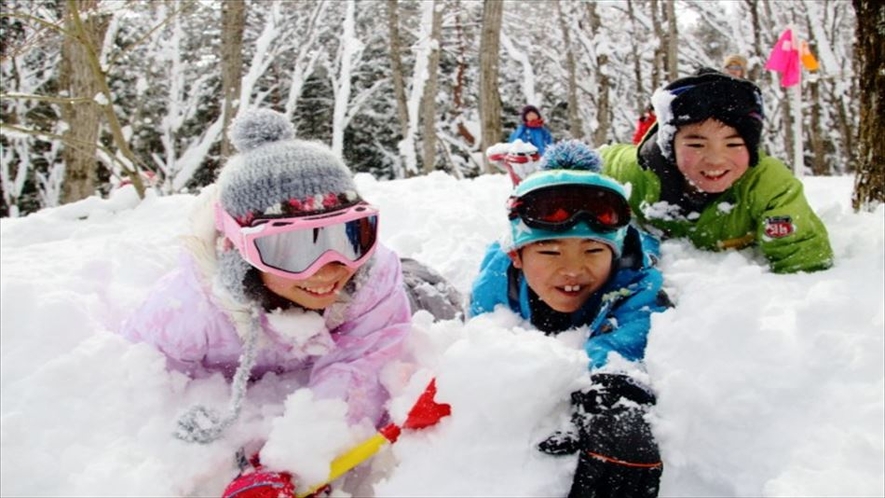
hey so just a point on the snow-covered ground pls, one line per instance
(768, 385)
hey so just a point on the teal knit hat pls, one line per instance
(567, 163)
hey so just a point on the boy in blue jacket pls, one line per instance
(573, 260)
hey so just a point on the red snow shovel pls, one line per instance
(424, 413)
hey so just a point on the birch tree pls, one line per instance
(311, 28)
(272, 34)
(754, 61)
(458, 89)
(576, 127)
(601, 49)
(657, 74)
(458, 132)
(180, 76)
(489, 98)
(832, 88)
(397, 75)
(641, 99)
(428, 100)
(349, 50)
(345, 69)
(521, 56)
(420, 75)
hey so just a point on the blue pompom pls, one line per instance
(573, 155)
(257, 127)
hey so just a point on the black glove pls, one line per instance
(619, 456)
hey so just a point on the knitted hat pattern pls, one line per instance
(569, 162)
(276, 175)
(694, 99)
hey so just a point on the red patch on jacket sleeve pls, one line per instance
(777, 227)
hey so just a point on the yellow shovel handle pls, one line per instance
(349, 460)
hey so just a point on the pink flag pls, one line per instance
(784, 58)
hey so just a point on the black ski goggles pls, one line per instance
(560, 207)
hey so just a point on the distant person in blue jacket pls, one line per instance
(532, 130)
(572, 261)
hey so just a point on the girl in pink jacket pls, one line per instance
(284, 274)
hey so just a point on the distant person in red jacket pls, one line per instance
(644, 122)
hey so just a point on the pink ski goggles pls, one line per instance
(296, 247)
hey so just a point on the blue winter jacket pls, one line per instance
(539, 137)
(618, 315)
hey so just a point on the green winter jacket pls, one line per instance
(766, 206)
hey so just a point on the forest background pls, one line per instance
(95, 93)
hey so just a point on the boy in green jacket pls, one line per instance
(698, 173)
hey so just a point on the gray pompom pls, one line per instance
(257, 127)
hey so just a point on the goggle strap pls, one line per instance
(228, 226)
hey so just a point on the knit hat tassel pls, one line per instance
(204, 425)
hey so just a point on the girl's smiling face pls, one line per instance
(711, 155)
(314, 293)
(564, 273)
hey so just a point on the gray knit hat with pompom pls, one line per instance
(275, 175)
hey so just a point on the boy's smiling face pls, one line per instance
(711, 155)
(564, 273)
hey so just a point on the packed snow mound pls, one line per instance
(768, 385)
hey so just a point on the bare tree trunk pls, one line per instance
(89, 36)
(869, 184)
(603, 104)
(233, 25)
(755, 71)
(787, 124)
(672, 41)
(428, 104)
(779, 106)
(642, 99)
(458, 88)
(489, 96)
(657, 71)
(790, 115)
(846, 126)
(819, 165)
(350, 48)
(768, 15)
(396, 67)
(83, 118)
(576, 127)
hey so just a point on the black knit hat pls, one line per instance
(527, 109)
(694, 99)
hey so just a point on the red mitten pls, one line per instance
(259, 483)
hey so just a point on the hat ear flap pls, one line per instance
(232, 269)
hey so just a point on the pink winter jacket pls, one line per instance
(201, 330)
